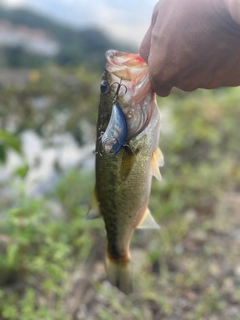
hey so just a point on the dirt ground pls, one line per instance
(196, 277)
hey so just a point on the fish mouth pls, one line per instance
(126, 66)
(131, 70)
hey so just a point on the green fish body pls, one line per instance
(123, 182)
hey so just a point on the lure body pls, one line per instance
(116, 132)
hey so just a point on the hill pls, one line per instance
(78, 46)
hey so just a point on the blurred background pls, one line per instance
(51, 258)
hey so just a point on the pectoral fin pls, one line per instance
(156, 161)
(148, 221)
(160, 158)
(94, 211)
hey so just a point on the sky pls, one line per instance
(124, 20)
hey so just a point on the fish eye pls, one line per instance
(104, 86)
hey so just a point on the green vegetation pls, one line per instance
(45, 241)
(201, 152)
(49, 94)
(37, 248)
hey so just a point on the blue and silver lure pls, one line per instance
(114, 136)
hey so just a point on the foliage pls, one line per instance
(37, 250)
(16, 57)
(8, 140)
(44, 240)
(201, 150)
(49, 95)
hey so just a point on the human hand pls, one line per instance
(193, 44)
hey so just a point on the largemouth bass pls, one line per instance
(127, 156)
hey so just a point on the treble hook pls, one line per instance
(119, 84)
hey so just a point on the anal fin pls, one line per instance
(148, 221)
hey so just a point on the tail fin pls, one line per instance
(120, 275)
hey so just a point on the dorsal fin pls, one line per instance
(148, 221)
(94, 211)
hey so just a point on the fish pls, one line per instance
(128, 117)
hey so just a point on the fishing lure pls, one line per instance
(114, 136)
